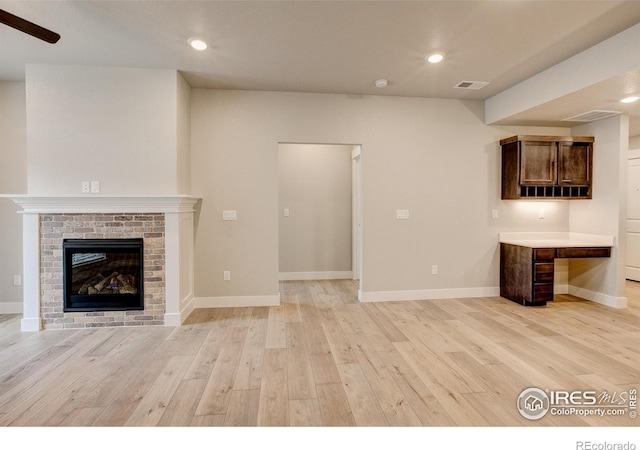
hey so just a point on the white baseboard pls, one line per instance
(173, 320)
(632, 273)
(186, 308)
(598, 297)
(11, 307)
(561, 289)
(31, 324)
(433, 294)
(237, 301)
(323, 275)
(427, 294)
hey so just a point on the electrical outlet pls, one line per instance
(85, 187)
(541, 214)
(95, 187)
(494, 214)
(434, 270)
(17, 280)
(227, 275)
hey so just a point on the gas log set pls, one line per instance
(103, 274)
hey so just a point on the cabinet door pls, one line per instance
(538, 162)
(574, 165)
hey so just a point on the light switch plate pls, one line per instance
(402, 214)
(286, 212)
(229, 214)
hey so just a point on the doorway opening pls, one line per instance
(320, 211)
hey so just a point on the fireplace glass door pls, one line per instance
(103, 274)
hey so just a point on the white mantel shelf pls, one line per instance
(51, 204)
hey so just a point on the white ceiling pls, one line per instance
(334, 46)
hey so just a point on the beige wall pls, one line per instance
(434, 157)
(13, 179)
(606, 213)
(129, 129)
(118, 126)
(315, 187)
(183, 130)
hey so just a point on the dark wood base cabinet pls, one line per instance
(526, 273)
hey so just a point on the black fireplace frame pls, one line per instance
(103, 302)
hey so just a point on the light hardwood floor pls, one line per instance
(321, 358)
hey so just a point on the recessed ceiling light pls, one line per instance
(381, 83)
(198, 44)
(630, 99)
(435, 58)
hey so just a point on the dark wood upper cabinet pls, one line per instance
(538, 162)
(538, 167)
(574, 163)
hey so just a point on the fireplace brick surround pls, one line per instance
(56, 227)
(165, 223)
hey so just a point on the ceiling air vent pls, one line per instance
(591, 116)
(471, 84)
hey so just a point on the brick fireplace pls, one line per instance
(165, 225)
(54, 228)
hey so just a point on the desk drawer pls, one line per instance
(583, 252)
(544, 254)
(543, 273)
(543, 292)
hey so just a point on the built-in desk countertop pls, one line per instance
(556, 240)
(527, 261)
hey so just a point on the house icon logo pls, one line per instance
(533, 403)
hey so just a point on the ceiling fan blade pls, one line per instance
(28, 27)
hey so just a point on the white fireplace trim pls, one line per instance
(81, 204)
(179, 247)
(31, 320)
